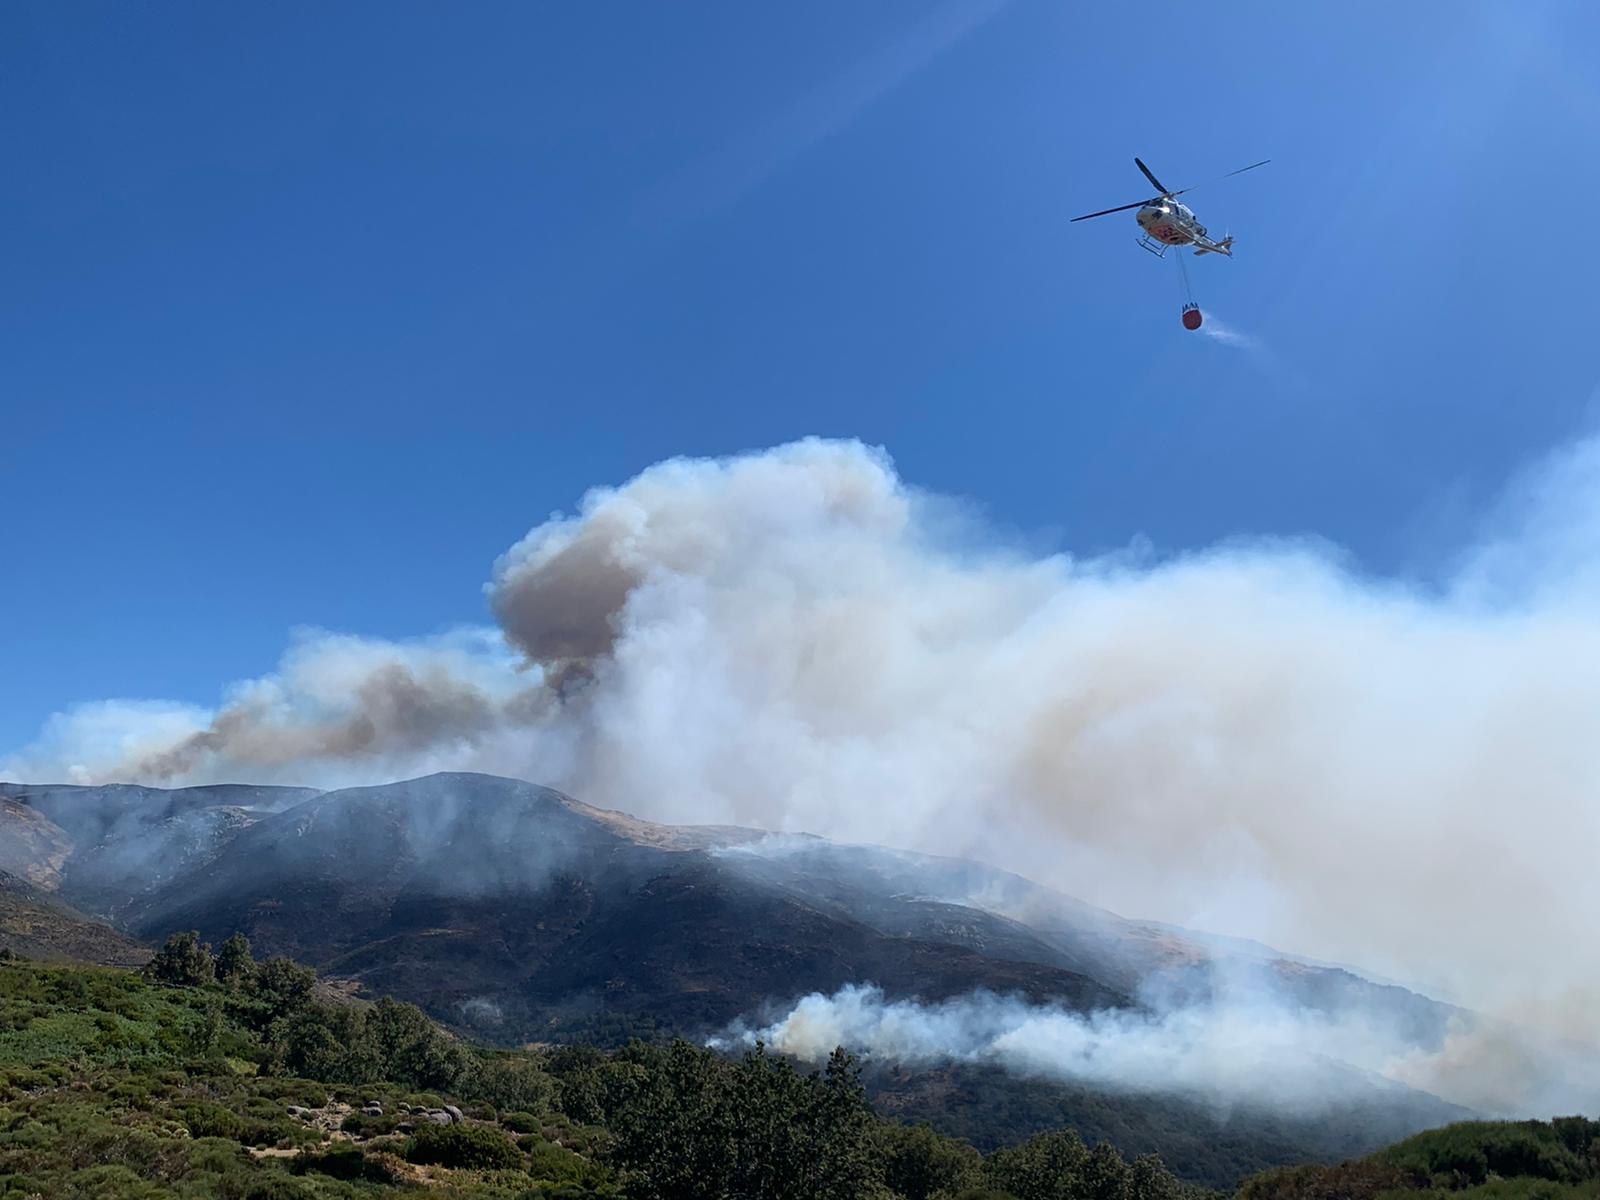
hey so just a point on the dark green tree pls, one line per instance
(283, 985)
(235, 967)
(1105, 1176)
(513, 1082)
(209, 1035)
(841, 1131)
(182, 961)
(325, 1042)
(1149, 1179)
(673, 1130)
(1049, 1166)
(412, 1049)
(918, 1162)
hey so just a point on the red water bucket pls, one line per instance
(1191, 317)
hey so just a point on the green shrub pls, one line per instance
(136, 1093)
(212, 1120)
(344, 1162)
(543, 1190)
(1473, 1151)
(292, 1091)
(476, 1146)
(520, 1122)
(364, 1125)
(277, 1186)
(218, 1155)
(549, 1163)
(1359, 1180)
(114, 1181)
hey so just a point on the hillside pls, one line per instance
(520, 912)
(112, 1087)
(241, 1083)
(545, 909)
(518, 915)
(36, 924)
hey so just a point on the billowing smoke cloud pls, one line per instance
(1247, 1046)
(1255, 739)
(339, 710)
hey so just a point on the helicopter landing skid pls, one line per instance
(1159, 249)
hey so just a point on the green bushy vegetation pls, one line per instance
(1471, 1160)
(212, 1075)
(464, 1146)
(216, 1076)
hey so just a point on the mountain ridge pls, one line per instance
(518, 914)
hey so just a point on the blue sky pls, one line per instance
(307, 312)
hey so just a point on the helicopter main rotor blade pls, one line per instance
(1105, 211)
(1251, 167)
(1220, 178)
(1159, 186)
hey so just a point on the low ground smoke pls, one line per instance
(1248, 1048)
(1255, 738)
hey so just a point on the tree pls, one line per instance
(842, 1131)
(183, 961)
(209, 1034)
(672, 1128)
(235, 967)
(1106, 1176)
(284, 985)
(513, 1082)
(412, 1049)
(1049, 1166)
(918, 1162)
(1150, 1180)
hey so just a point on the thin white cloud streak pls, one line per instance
(1255, 739)
(725, 175)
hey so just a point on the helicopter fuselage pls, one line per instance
(1171, 223)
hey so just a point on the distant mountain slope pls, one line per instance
(36, 924)
(511, 907)
(126, 839)
(495, 900)
(519, 914)
(32, 846)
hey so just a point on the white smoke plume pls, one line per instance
(1248, 1046)
(1255, 739)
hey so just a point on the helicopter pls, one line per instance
(1165, 222)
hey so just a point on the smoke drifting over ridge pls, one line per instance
(1248, 1045)
(1253, 739)
(1251, 1050)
